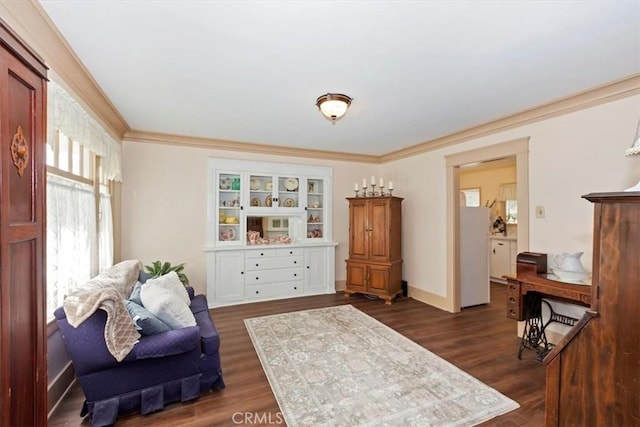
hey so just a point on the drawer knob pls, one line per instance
(257, 292)
(257, 277)
(295, 275)
(295, 262)
(308, 266)
(290, 252)
(261, 253)
(295, 287)
(512, 299)
(257, 264)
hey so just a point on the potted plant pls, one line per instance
(158, 268)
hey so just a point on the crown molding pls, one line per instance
(246, 147)
(609, 92)
(29, 20)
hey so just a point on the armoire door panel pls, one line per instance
(19, 136)
(23, 371)
(23, 325)
(379, 225)
(378, 278)
(356, 276)
(359, 225)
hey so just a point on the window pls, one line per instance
(471, 197)
(79, 220)
(511, 211)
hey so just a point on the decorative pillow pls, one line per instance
(143, 276)
(146, 323)
(167, 306)
(135, 293)
(171, 282)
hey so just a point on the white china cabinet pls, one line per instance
(269, 232)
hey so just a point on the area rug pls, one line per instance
(338, 366)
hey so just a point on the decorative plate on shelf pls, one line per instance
(256, 202)
(289, 203)
(268, 201)
(227, 234)
(291, 184)
(254, 184)
(225, 183)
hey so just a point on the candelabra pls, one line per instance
(369, 190)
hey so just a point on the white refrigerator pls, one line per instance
(474, 256)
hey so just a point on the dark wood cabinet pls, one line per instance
(593, 374)
(23, 367)
(375, 247)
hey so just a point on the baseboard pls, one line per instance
(341, 285)
(428, 298)
(59, 387)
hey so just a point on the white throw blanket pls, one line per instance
(107, 292)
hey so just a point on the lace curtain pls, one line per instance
(71, 238)
(65, 114)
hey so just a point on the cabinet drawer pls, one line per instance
(275, 290)
(270, 263)
(290, 252)
(264, 253)
(277, 275)
(514, 301)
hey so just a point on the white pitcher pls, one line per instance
(569, 261)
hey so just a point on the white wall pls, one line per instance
(570, 155)
(164, 203)
(164, 192)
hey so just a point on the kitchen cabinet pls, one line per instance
(374, 266)
(502, 255)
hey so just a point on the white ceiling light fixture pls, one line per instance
(333, 105)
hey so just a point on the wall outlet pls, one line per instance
(539, 211)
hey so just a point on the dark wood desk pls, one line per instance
(524, 302)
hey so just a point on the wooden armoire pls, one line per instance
(374, 266)
(593, 374)
(23, 338)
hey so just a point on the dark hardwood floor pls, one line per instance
(479, 340)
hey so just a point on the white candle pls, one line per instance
(390, 185)
(373, 180)
(356, 188)
(381, 183)
(364, 182)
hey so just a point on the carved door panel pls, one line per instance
(23, 377)
(359, 230)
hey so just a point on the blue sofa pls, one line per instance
(176, 365)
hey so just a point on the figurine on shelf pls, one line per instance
(499, 226)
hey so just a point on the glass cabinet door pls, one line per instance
(289, 192)
(315, 208)
(261, 191)
(229, 207)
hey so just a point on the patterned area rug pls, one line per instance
(337, 366)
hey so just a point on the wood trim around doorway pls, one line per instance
(518, 148)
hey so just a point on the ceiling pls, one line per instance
(250, 71)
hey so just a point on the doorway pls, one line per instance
(520, 150)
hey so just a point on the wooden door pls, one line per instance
(378, 221)
(378, 279)
(358, 229)
(22, 224)
(356, 276)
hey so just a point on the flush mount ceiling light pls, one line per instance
(333, 105)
